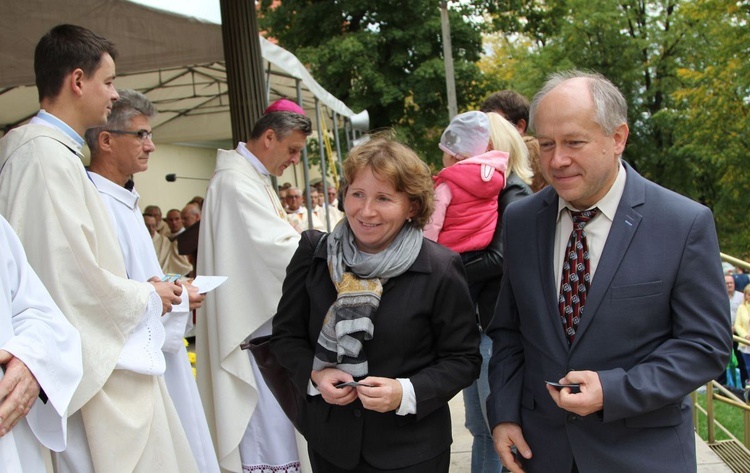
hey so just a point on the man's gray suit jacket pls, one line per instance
(656, 326)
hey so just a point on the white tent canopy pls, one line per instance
(178, 62)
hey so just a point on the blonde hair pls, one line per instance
(505, 137)
(397, 163)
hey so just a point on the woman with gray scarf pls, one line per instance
(375, 324)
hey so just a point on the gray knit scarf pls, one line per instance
(359, 279)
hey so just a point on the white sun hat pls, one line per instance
(468, 135)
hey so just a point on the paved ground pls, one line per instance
(461, 448)
(708, 461)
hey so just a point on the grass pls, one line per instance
(729, 416)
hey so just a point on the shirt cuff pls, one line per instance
(408, 398)
(311, 389)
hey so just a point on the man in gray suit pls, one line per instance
(650, 333)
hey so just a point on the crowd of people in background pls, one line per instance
(384, 295)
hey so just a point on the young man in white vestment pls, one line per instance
(120, 149)
(122, 419)
(40, 352)
(244, 235)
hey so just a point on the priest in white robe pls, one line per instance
(297, 213)
(122, 419)
(244, 235)
(328, 215)
(38, 347)
(114, 158)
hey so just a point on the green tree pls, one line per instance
(681, 64)
(634, 43)
(385, 57)
(711, 116)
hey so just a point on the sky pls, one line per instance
(202, 9)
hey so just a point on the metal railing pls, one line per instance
(717, 392)
(735, 453)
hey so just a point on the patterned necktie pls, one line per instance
(576, 276)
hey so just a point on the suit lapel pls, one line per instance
(546, 224)
(624, 226)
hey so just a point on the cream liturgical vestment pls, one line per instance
(244, 235)
(141, 264)
(300, 220)
(126, 422)
(168, 257)
(34, 330)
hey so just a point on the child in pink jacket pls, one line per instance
(467, 189)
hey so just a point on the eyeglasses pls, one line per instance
(293, 197)
(141, 134)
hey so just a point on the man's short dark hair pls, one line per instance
(508, 103)
(64, 49)
(282, 123)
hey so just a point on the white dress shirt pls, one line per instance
(597, 230)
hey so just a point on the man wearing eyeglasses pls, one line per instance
(121, 417)
(120, 149)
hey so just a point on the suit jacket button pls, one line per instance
(572, 417)
(357, 413)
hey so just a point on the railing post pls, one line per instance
(696, 418)
(710, 413)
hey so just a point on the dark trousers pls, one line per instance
(741, 364)
(439, 464)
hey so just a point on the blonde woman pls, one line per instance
(742, 325)
(487, 269)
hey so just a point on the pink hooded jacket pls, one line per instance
(466, 202)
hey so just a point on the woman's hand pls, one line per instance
(384, 395)
(326, 381)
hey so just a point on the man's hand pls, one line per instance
(384, 396)
(196, 300)
(506, 435)
(169, 293)
(18, 392)
(326, 381)
(590, 399)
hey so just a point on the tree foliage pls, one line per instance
(710, 118)
(383, 56)
(681, 64)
